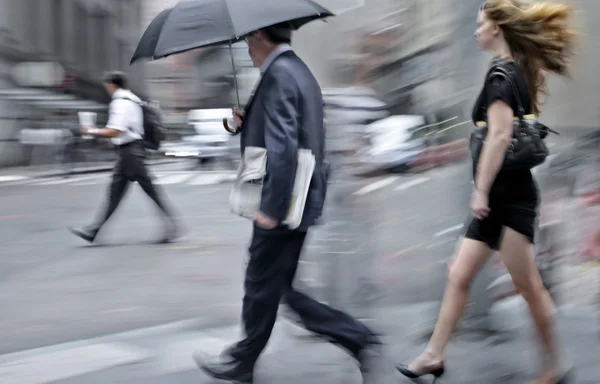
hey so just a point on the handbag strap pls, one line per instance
(503, 72)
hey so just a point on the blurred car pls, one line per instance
(209, 141)
(347, 112)
(394, 143)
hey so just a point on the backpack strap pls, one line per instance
(140, 104)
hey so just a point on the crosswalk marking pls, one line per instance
(210, 179)
(376, 185)
(12, 178)
(93, 181)
(65, 180)
(63, 364)
(412, 183)
(172, 179)
(177, 357)
(171, 355)
(163, 178)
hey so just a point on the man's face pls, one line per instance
(256, 47)
(110, 88)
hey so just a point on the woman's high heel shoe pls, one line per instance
(437, 371)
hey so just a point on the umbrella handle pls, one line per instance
(227, 127)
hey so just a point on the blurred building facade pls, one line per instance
(85, 37)
(169, 78)
(420, 56)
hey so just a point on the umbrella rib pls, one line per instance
(231, 20)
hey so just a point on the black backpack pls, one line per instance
(154, 131)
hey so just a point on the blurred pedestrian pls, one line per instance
(285, 114)
(125, 128)
(527, 41)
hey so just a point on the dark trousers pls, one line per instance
(129, 167)
(274, 257)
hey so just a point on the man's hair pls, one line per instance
(279, 33)
(116, 78)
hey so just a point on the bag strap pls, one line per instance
(503, 72)
(139, 104)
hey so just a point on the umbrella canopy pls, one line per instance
(147, 44)
(199, 23)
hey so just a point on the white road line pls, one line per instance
(66, 180)
(172, 179)
(177, 357)
(4, 179)
(376, 185)
(61, 365)
(193, 178)
(93, 181)
(412, 183)
(208, 179)
(448, 230)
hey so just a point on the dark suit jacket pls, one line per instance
(285, 114)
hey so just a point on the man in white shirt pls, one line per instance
(125, 128)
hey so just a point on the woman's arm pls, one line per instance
(500, 130)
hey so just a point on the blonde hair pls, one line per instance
(540, 37)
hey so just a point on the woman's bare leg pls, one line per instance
(518, 255)
(470, 255)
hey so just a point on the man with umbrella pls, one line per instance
(286, 113)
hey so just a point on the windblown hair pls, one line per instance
(540, 36)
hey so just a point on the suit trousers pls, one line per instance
(129, 168)
(274, 257)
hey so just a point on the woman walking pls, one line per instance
(528, 40)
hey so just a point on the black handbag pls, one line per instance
(527, 148)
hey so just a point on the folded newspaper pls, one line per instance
(246, 193)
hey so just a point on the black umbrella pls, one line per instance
(199, 23)
(147, 44)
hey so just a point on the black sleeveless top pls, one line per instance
(512, 184)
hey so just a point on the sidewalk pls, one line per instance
(54, 170)
(294, 356)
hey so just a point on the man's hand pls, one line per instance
(108, 133)
(264, 221)
(238, 114)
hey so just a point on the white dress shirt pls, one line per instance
(126, 116)
(280, 49)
